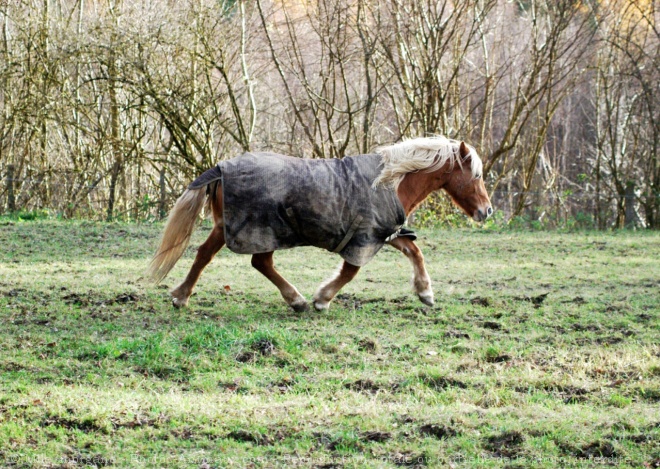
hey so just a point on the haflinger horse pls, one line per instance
(262, 202)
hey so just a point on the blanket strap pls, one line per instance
(349, 234)
(402, 233)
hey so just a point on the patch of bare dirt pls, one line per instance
(367, 345)
(609, 340)
(366, 386)
(70, 423)
(596, 449)
(438, 431)
(77, 299)
(284, 385)
(230, 386)
(588, 327)
(442, 382)
(264, 347)
(185, 433)
(648, 394)
(492, 325)
(569, 394)
(499, 358)
(322, 438)
(126, 298)
(578, 300)
(256, 438)
(15, 292)
(406, 419)
(654, 463)
(249, 356)
(375, 436)
(536, 301)
(457, 334)
(139, 421)
(507, 444)
(351, 301)
(13, 366)
(639, 438)
(481, 301)
(91, 298)
(259, 348)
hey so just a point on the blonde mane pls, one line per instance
(428, 154)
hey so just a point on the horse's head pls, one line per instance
(466, 188)
(418, 167)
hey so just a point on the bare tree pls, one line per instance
(626, 97)
(109, 108)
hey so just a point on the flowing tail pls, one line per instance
(178, 230)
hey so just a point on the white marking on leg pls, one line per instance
(422, 284)
(326, 291)
(421, 281)
(319, 306)
(322, 297)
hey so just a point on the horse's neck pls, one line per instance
(415, 188)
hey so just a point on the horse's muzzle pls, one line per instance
(482, 215)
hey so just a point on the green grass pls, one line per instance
(99, 369)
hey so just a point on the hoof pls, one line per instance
(426, 298)
(180, 297)
(179, 303)
(300, 307)
(319, 306)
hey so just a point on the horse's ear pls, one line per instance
(463, 150)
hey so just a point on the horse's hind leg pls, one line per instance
(264, 263)
(328, 289)
(421, 279)
(205, 253)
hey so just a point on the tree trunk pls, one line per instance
(114, 136)
(630, 205)
(11, 200)
(162, 213)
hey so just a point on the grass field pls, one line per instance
(543, 350)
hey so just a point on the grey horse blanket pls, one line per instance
(276, 202)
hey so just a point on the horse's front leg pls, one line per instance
(264, 263)
(328, 289)
(421, 279)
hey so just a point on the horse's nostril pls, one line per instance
(489, 211)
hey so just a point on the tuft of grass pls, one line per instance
(620, 401)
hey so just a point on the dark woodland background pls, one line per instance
(109, 108)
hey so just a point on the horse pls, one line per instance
(262, 202)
